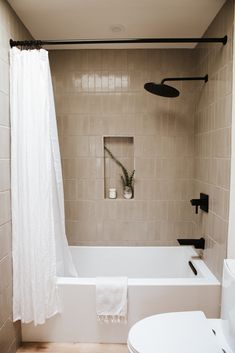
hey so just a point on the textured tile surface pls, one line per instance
(181, 146)
(100, 93)
(213, 138)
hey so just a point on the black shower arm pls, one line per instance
(204, 78)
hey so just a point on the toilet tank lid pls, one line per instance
(230, 263)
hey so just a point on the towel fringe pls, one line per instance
(115, 319)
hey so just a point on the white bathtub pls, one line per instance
(159, 280)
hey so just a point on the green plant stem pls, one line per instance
(126, 179)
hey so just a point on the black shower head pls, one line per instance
(161, 89)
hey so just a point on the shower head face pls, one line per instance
(161, 89)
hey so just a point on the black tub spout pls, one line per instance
(197, 243)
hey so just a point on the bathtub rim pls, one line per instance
(207, 279)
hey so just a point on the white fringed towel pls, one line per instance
(111, 299)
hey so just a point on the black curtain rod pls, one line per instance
(39, 43)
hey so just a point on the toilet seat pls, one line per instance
(181, 332)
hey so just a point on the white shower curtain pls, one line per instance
(39, 244)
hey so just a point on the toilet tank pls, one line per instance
(228, 302)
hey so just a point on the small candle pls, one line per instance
(112, 193)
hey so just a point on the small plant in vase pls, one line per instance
(127, 179)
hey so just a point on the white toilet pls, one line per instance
(190, 332)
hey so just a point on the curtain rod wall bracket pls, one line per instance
(40, 43)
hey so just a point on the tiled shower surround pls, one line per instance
(213, 138)
(100, 93)
(10, 27)
(181, 146)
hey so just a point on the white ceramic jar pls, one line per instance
(112, 193)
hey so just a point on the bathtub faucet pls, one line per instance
(198, 243)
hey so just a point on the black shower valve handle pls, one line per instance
(203, 203)
(196, 203)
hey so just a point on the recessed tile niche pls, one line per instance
(122, 147)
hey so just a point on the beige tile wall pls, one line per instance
(212, 138)
(100, 93)
(10, 27)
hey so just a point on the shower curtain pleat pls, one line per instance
(39, 246)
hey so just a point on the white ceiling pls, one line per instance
(92, 19)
